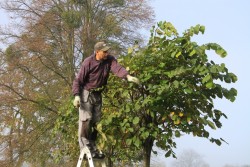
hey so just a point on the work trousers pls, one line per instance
(89, 116)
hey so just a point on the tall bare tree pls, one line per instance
(46, 43)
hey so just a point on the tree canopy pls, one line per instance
(179, 84)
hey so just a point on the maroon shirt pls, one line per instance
(94, 73)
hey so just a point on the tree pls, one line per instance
(178, 86)
(25, 109)
(78, 24)
(189, 158)
(49, 42)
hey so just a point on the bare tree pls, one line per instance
(189, 158)
(46, 42)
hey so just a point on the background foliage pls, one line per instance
(45, 43)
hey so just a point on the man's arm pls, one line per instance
(79, 79)
(118, 69)
(78, 83)
(121, 72)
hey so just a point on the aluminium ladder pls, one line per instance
(86, 152)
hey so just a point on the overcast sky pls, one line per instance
(227, 23)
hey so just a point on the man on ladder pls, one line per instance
(87, 88)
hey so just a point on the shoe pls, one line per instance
(97, 154)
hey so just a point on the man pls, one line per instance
(87, 88)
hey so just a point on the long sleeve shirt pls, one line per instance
(94, 74)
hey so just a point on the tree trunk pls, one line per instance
(110, 162)
(147, 151)
(10, 151)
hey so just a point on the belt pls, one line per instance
(94, 91)
(97, 90)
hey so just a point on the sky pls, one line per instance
(227, 23)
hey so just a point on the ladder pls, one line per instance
(85, 151)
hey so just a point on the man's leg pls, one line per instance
(93, 135)
(85, 116)
(83, 133)
(96, 116)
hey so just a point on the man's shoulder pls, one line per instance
(110, 57)
(88, 59)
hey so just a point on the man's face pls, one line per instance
(101, 55)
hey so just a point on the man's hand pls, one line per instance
(133, 79)
(76, 101)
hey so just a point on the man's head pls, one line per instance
(101, 50)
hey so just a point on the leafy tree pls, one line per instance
(178, 86)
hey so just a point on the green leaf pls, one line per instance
(159, 32)
(227, 79)
(162, 65)
(187, 90)
(177, 133)
(221, 52)
(178, 54)
(131, 129)
(210, 85)
(128, 142)
(218, 142)
(211, 124)
(196, 29)
(173, 54)
(137, 142)
(176, 84)
(205, 134)
(177, 121)
(168, 153)
(206, 78)
(136, 120)
(154, 134)
(145, 135)
(192, 53)
(232, 94)
(233, 77)
(202, 29)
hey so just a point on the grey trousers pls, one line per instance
(89, 115)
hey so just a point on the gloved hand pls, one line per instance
(133, 79)
(76, 101)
